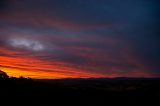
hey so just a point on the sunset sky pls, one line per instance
(79, 38)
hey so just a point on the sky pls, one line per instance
(47, 39)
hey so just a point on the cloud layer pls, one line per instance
(79, 38)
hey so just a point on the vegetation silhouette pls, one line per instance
(3, 75)
(91, 91)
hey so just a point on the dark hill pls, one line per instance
(129, 91)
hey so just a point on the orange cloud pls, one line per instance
(31, 67)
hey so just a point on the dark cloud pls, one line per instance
(4, 4)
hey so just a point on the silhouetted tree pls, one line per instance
(3, 75)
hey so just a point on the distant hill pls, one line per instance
(91, 91)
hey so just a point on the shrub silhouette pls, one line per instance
(3, 75)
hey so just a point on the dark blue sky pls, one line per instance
(81, 38)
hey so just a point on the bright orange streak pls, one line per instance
(32, 74)
(35, 68)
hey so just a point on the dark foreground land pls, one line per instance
(85, 92)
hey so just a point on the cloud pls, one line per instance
(80, 38)
(26, 43)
